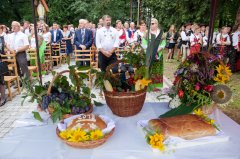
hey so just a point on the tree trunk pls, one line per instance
(237, 21)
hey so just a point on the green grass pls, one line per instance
(233, 109)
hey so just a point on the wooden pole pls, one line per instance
(130, 11)
(212, 20)
(138, 12)
(36, 39)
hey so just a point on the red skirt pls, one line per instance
(195, 49)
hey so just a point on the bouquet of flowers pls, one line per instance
(135, 71)
(199, 81)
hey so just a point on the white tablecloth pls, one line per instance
(41, 142)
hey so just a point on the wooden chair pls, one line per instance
(119, 52)
(33, 57)
(11, 59)
(48, 58)
(56, 54)
(63, 53)
(88, 57)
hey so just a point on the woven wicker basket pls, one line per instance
(125, 104)
(86, 144)
(50, 110)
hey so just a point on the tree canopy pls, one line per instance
(167, 12)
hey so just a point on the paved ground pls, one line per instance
(12, 110)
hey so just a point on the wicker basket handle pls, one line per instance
(112, 65)
(55, 77)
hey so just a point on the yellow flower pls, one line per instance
(64, 134)
(96, 134)
(198, 112)
(221, 78)
(224, 74)
(211, 121)
(145, 82)
(156, 141)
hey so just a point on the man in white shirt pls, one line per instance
(18, 44)
(107, 41)
(185, 35)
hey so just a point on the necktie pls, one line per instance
(83, 34)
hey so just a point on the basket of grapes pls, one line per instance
(61, 98)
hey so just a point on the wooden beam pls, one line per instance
(45, 5)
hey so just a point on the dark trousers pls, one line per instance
(22, 64)
(106, 61)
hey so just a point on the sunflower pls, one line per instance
(96, 134)
(221, 94)
(221, 78)
(224, 74)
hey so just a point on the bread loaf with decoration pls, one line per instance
(87, 122)
(184, 126)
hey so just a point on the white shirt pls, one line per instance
(136, 34)
(5, 36)
(192, 38)
(219, 36)
(235, 39)
(17, 40)
(46, 36)
(205, 40)
(107, 38)
(184, 37)
(33, 42)
(54, 35)
(27, 32)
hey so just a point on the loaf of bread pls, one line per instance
(184, 126)
(87, 122)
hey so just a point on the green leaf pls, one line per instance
(54, 73)
(83, 68)
(181, 110)
(93, 96)
(86, 91)
(57, 115)
(37, 116)
(98, 104)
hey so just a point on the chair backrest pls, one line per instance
(63, 48)
(33, 56)
(48, 52)
(11, 59)
(87, 54)
(56, 48)
(120, 52)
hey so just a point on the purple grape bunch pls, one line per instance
(45, 101)
(79, 110)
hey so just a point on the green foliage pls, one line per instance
(70, 11)
(135, 59)
(33, 90)
(37, 116)
(180, 12)
(181, 110)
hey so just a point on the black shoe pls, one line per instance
(4, 102)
